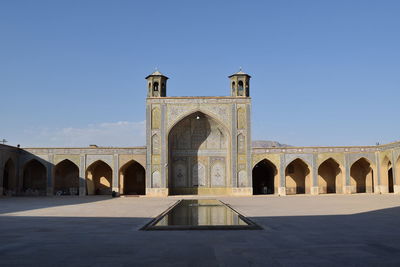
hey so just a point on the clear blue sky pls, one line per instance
(324, 72)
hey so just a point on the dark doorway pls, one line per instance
(66, 179)
(133, 179)
(9, 179)
(390, 177)
(34, 178)
(264, 178)
(5, 181)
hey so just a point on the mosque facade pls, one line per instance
(199, 146)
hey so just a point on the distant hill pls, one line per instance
(264, 143)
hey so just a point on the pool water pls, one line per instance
(200, 214)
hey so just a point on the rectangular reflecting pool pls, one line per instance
(203, 214)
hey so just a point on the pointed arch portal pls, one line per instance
(34, 178)
(387, 176)
(99, 178)
(396, 167)
(264, 174)
(329, 177)
(198, 148)
(390, 179)
(362, 176)
(66, 178)
(297, 177)
(132, 179)
(9, 178)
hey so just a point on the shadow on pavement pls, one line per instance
(365, 239)
(16, 204)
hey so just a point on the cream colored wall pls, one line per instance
(397, 171)
(115, 158)
(124, 158)
(299, 179)
(330, 177)
(339, 175)
(99, 178)
(387, 161)
(71, 157)
(346, 157)
(361, 173)
(386, 164)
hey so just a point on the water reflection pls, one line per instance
(201, 213)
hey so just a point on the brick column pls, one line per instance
(148, 147)
(282, 178)
(377, 182)
(347, 183)
(314, 167)
(82, 176)
(115, 178)
(234, 147)
(50, 183)
(396, 175)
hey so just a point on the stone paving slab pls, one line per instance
(340, 230)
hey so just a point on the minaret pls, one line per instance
(240, 84)
(157, 84)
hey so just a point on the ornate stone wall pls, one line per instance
(198, 146)
(376, 157)
(115, 158)
(204, 145)
(208, 168)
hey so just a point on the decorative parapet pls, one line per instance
(341, 149)
(88, 150)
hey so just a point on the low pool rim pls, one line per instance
(150, 226)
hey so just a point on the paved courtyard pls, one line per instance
(349, 230)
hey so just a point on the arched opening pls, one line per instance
(155, 86)
(397, 168)
(240, 88)
(99, 179)
(9, 179)
(362, 176)
(390, 178)
(233, 85)
(329, 179)
(240, 85)
(264, 174)
(34, 178)
(386, 182)
(198, 155)
(132, 179)
(297, 178)
(66, 178)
